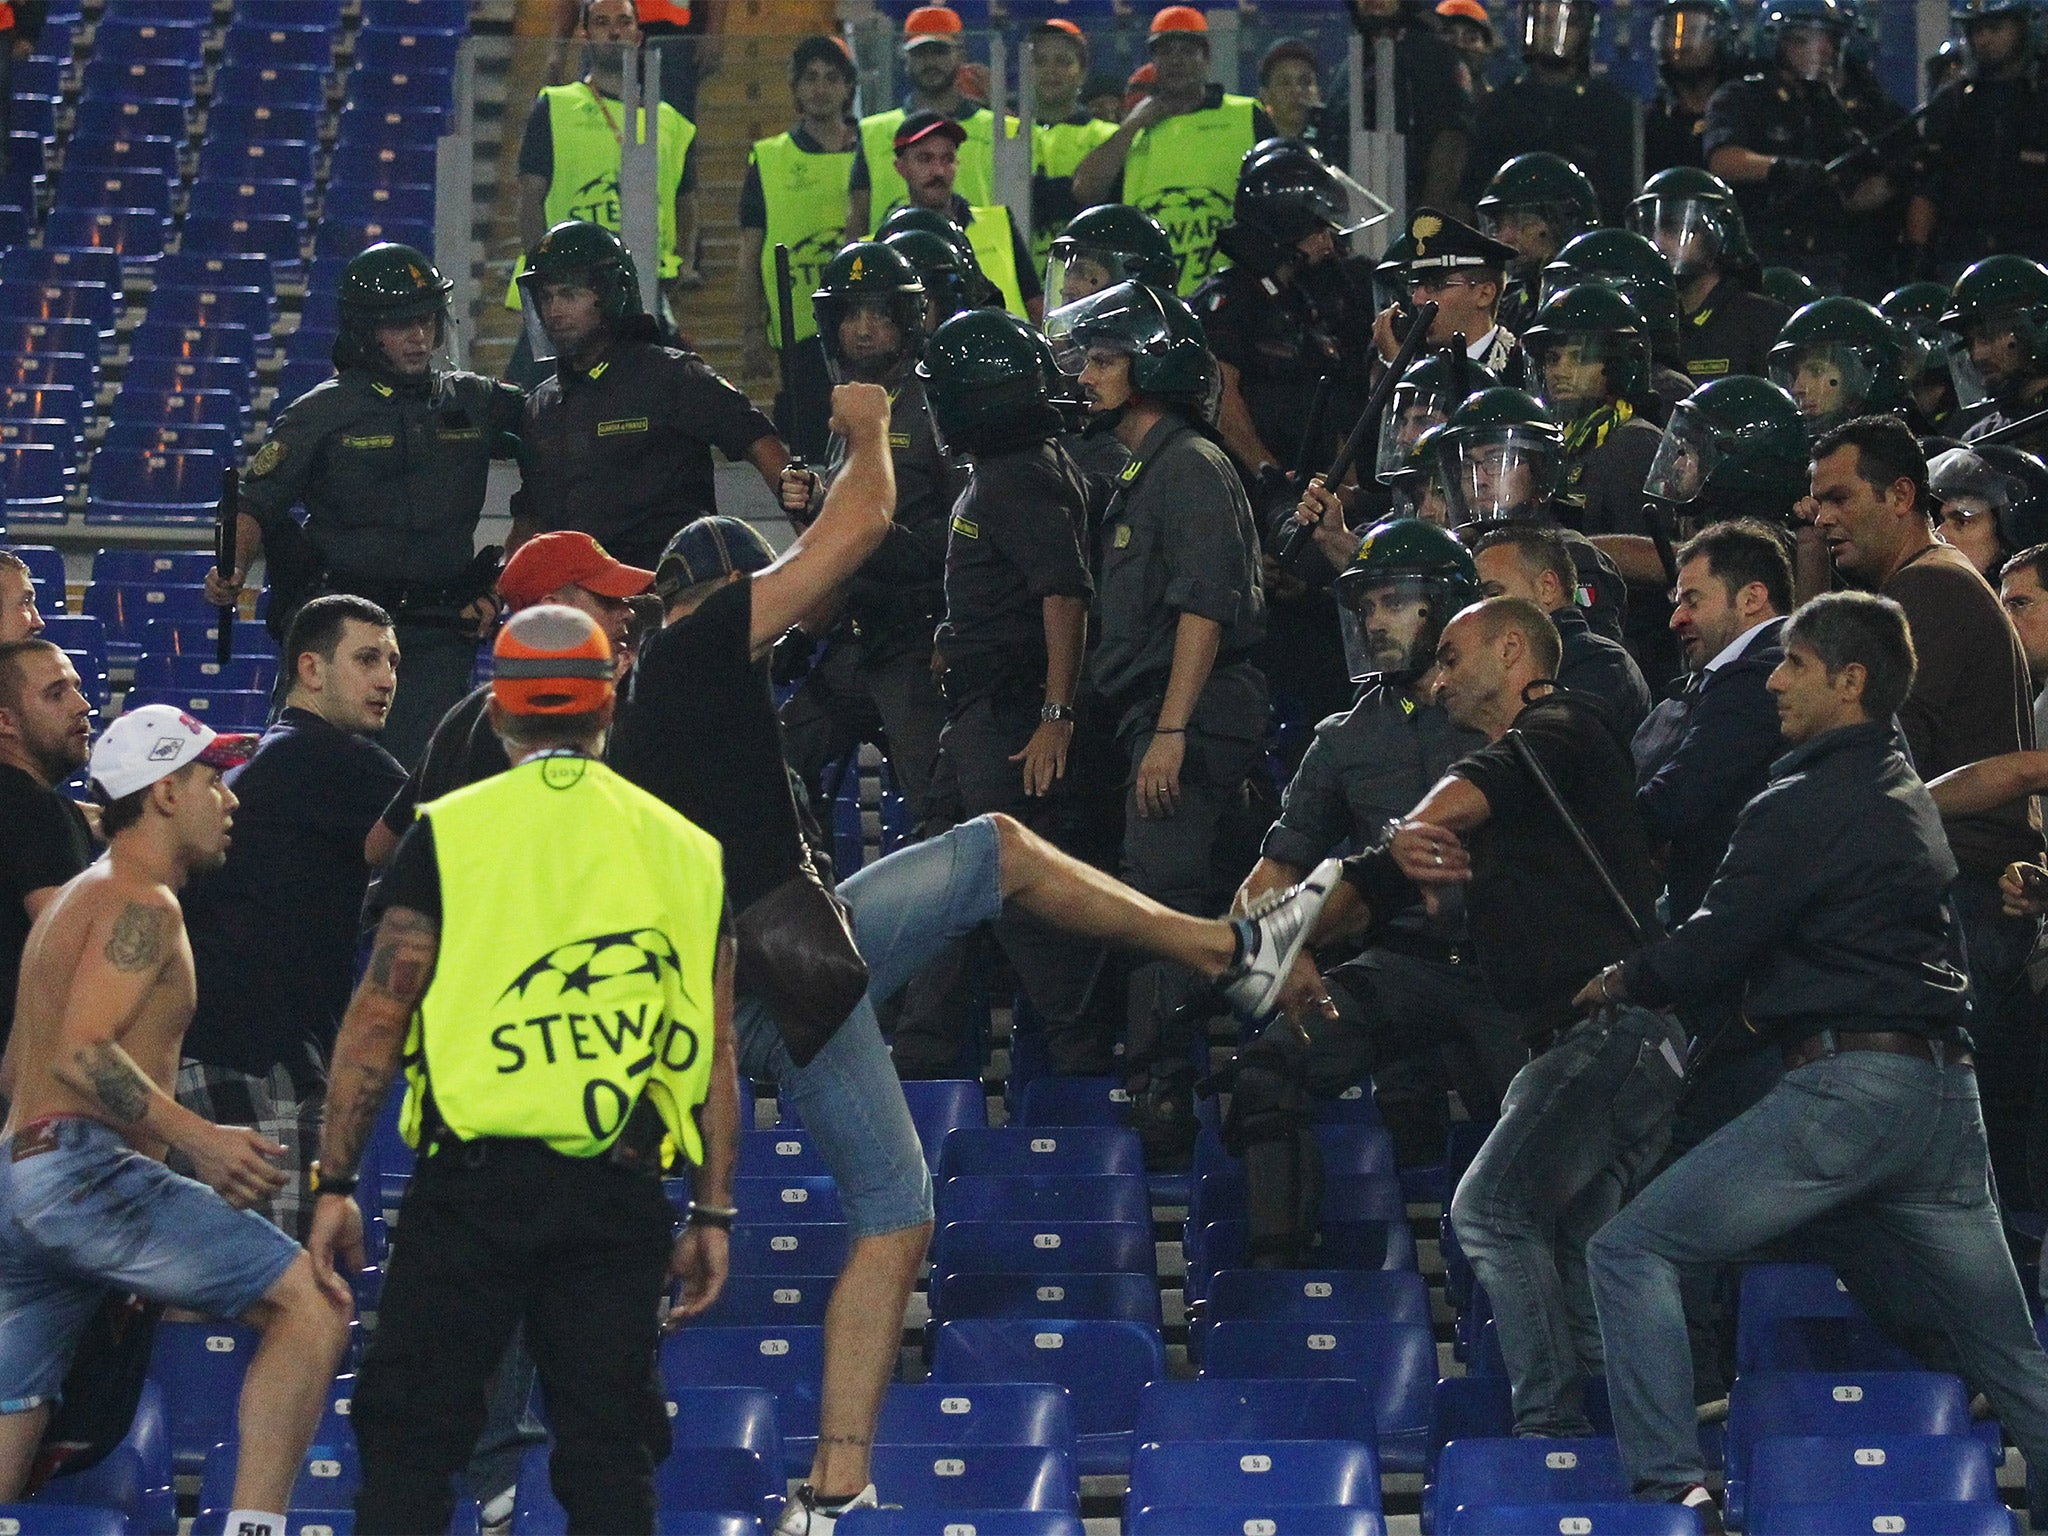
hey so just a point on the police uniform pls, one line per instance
(1673, 134)
(565, 1041)
(1183, 172)
(623, 452)
(1589, 122)
(392, 476)
(876, 669)
(1179, 538)
(1015, 539)
(795, 194)
(1987, 169)
(1732, 331)
(1772, 114)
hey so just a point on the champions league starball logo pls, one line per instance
(1192, 217)
(587, 968)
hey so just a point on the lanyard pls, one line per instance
(609, 121)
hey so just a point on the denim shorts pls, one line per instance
(906, 909)
(83, 1213)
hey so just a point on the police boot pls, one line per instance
(1270, 1125)
(1162, 1112)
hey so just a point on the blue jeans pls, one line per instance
(906, 909)
(1580, 1127)
(1878, 1162)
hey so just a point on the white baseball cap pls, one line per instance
(153, 743)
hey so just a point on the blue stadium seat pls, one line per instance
(1044, 1150)
(769, 1301)
(742, 1417)
(78, 633)
(382, 165)
(54, 431)
(45, 568)
(1800, 1317)
(312, 344)
(222, 198)
(707, 1480)
(783, 1200)
(1220, 1194)
(101, 118)
(1049, 1298)
(1221, 1245)
(975, 1477)
(24, 337)
(253, 120)
(136, 234)
(256, 160)
(38, 77)
(207, 306)
(170, 13)
(149, 379)
(30, 369)
(1588, 1518)
(335, 237)
(1073, 1101)
(1309, 1295)
(1396, 1361)
(192, 342)
(1357, 1146)
(200, 1366)
(990, 1413)
(122, 37)
(163, 637)
(117, 152)
(789, 1362)
(409, 15)
(1483, 1472)
(29, 265)
(276, 237)
(939, 1106)
(1210, 1408)
(45, 402)
(224, 710)
(52, 300)
(327, 1477)
(237, 87)
(979, 1522)
(181, 407)
(760, 1248)
(136, 1478)
(1866, 1471)
(1294, 1519)
(306, 15)
(215, 269)
(784, 1151)
(373, 89)
(1250, 1476)
(42, 1518)
(1905, 1515)
(168, 436)
(411, 48)
(181, 486)
(391, 125)
(1104, 1364)
(31, 485)
(1844, 1404)
(1078, 1197)
(277, 47)
(1039, 1248)
(137, 80)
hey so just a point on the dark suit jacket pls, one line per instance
(1701, 757)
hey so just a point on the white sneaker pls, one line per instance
(804, 1516)
(1272, 934)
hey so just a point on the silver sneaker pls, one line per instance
(802, 1516)
(1272, 934)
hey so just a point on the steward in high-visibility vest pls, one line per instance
(553, 970)
(926, 150)
(1176, 156)
(1065, 131)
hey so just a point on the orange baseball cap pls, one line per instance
(930, 24)
(1058, 24)
(1466, 10)
(551, 660)
(1179, 18)
(548, 561)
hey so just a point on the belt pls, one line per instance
(1888, 1042)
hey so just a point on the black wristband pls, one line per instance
(1378, 879)
(323, 1183)
(719, 1216)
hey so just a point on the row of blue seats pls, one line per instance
(139, 235)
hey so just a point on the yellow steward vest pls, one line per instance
(579, 928)
(886, 190)
(1056, 148)
(805, 195)
(989, 233)
(1183, 172)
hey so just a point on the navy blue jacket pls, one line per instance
(1601, 669)
(1831, 905)
(1701, 757)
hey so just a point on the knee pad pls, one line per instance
(1269, 1124)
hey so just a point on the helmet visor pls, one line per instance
(1075, 272)
(866, 338)
(1556, 29)
(1971, 387)
(1412, 411)
(1687, 37)
(1537, 231)
(1493, 475)
(1115, 319)
(1684, 461)
(1579, 371)
(1830, 383)
(1688, 230)
(566, 288)
(1809, 50)
(1391, 619)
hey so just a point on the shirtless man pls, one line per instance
(106, 993)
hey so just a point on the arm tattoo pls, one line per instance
(402, 963)
(108, 1074)
(373, 1033)
(137, 942)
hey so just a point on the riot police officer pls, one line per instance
(1415, 992)
(1915, 311)
(1536, 203)
(1016, 624)
(1424, 397)
(876, 669)
(2000, 311)
(1558, 105)
(1589, 358)
(1838, 357)
(1735, 448)
(1696, 222)
(390, 460)
(1986, 187)
(1696, 47)
(1179, 608)
(952, 278)
(619, 440)
(1633, 268)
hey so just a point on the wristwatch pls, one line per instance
(329, 1183)
(1052, 714)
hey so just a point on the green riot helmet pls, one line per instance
(585, 255)
(951, 285)
(1838, 358)
(1500, 455)
(1915, 311)
(1536, 203)
(1169, 351)
(870, 309)
(1104, 246)
(1992, 502)
(1633, 267)
(1691, 215)
(934, 222)
(1403, 563)
(1734, 446)
(1805, 38)
(1693, 37)
(2000, 310)
(1588, 348)
(383, 285)
(1968, 16)
(1287, 192)
(990, 381)
(1783, 285)
(1556, 31)
(1427, 393)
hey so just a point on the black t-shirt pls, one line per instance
(45, 843)
(1015, 540)
(274, 929)
(413, 877)
(697, 730)
(463, 750)
(1541, 921)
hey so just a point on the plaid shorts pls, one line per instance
(271, 1106)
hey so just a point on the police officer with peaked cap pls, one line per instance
(1465, 273)
(619, 440)
(390, 459)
